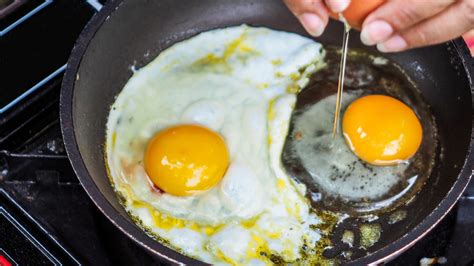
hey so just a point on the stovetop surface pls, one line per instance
(45, 215)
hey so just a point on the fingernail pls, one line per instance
(394, 44)
(312, 23)
(338, 5)
(375, 32)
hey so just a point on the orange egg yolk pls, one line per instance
(381, 130)
(186, 159)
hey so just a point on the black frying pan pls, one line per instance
(133, 32)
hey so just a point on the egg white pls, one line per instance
(240, 82)
(330, 161)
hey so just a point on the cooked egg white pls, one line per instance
(239, 82)
(331, 163)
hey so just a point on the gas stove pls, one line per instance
(45, 215)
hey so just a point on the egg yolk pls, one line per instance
(186, 159)
(381, 130)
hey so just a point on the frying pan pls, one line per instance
(128, 33)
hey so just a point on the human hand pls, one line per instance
(469, 39)
(399, 25)
(314, 14)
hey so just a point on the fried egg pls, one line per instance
(332, 164)
(221, 100)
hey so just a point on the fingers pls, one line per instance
(449, 24)
(312, 14)
(398, 15)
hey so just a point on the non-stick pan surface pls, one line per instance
(133, 32)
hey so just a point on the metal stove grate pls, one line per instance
(13, 17)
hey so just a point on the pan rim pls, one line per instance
(384, 254)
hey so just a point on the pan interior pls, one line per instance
(138, 30)
(366, 74)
